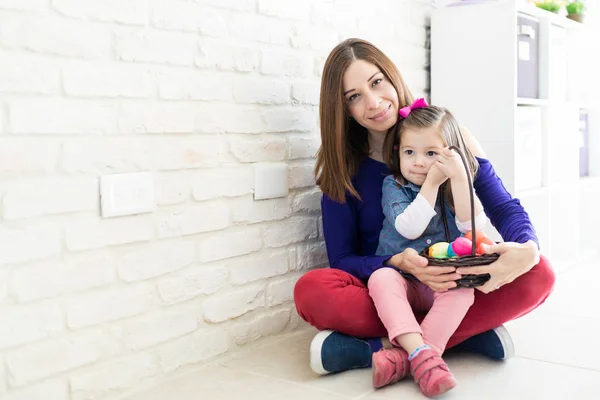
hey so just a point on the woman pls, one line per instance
(361, 93)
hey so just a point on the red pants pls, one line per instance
(333, 299)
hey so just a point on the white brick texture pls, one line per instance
(22, 156)
(172, 187)
(309, 200)
(301, 175)
(91, 232)
(105, 156)
(258, 327)
(192, 282)
(28, 74)
(60, 117)
(189, 16)
(27, 241)
(171, 154)
(159, 328)
(297, 119)
(184, 85)
(156, 47)
(229, 182)
(306, 92)
(237, 302)
(50, 357)
(126, 12)
(28, 323)
(311, 255)
(2, 378)
(194, 92)
(258, 149)
(292, 230)
(286, 63)
(281, 291)
(102, 306)
(265, 91)
(258, 28)
(62, 276)
(60, 196)
(203, 217)
(303, 147)
(107, 80)
(284, 9)
(51, 35)
(229, 244)
(148, 261)
(246, 209)
(228, 57)
(25, 5)
(245, 269)
(4, 278)
(136, 117)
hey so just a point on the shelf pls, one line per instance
(589, 180)
(555, 19)
(521, 101)
(588, 105)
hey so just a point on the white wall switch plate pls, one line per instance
(126, 194)
(270, 180)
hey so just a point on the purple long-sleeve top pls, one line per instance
(351, 229)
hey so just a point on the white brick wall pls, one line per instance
(194, 92)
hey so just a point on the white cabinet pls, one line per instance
(512, 75)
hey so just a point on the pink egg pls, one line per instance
(462, 246)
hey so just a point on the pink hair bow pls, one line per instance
(418, 103)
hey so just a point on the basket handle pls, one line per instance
(471, 196)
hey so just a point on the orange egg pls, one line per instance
(481, 238)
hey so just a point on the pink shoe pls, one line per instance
(431, 373)
(389, 366)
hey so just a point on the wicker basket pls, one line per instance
(472, 260)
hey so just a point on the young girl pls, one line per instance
(417, 154)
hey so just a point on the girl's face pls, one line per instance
(371, 98)
(418, 150)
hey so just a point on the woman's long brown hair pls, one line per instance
(344, 142)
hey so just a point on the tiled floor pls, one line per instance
(556, 350)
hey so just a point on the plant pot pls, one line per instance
(576, 17)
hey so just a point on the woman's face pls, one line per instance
(371, 98)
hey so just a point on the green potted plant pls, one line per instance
(575, 10)
(549, 5)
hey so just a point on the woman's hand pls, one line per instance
(515, 260)
(439, 279)
(450, 163)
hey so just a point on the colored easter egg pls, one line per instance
(439, 250)
(481, 238)
(462, 246)
(451, 252)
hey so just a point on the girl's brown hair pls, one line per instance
(421, 118)
(344, 142)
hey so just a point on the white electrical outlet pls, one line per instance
(126, 194)
(270, 180)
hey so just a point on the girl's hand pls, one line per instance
(451, 164)
(439, 279)
(435, 176)
(515, 260)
